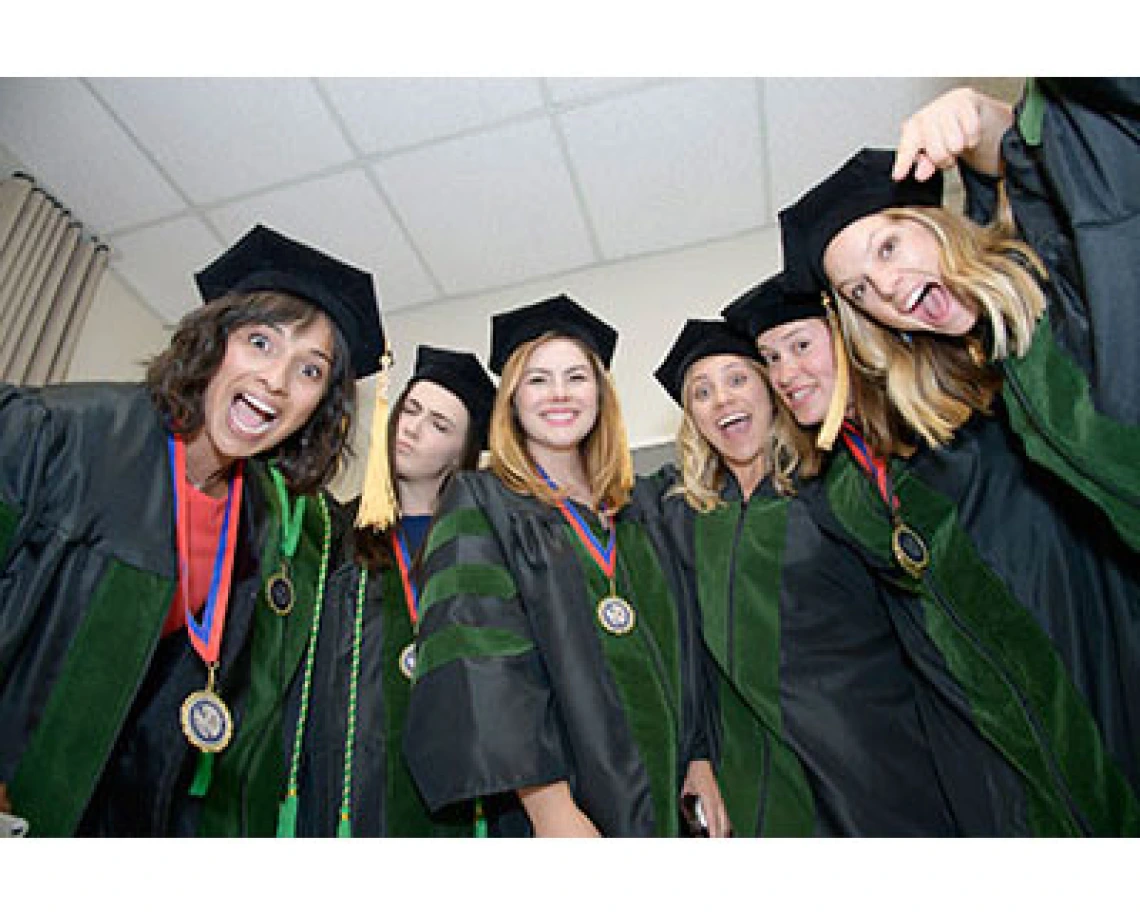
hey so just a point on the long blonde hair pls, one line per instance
(933, 383)
(605, 451)
(988, 265)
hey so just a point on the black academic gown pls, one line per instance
(1071, 167)
(384, 800)
(90, 738)
(518, 684)
(837, 717)
(1028, 601)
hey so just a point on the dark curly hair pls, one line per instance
(177, 379)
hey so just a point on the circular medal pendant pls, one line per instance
(279, 592)
(616, 615)
(910, 550)
(408, 661)
(206, 721)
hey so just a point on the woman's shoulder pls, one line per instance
(483, 489)
(100, 404)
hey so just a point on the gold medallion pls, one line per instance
(279, 591)
(616, 615)
(408, 661)
(910, 550)
(206, 721)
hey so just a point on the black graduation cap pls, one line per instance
(265, 260)
(863, 186)
(770, 304)
(699, 339)
(462, 374)
(558, 314)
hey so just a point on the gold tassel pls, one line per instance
(378, 505)
(837, 408)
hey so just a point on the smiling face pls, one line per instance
(732, 408)
(267, 386)
(430, 434)
(889, 267)
(556, 399)
(800, 361)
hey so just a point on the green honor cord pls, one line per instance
(291, 519)
(287, 815)
(287, 818)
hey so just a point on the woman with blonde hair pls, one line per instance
(818, 726)
(1036, 308)
(557, 677)
(1005, 499)
(1021, 711)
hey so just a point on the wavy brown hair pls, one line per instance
(177, 379)
(605, 450)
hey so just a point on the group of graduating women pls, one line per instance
(889, 587)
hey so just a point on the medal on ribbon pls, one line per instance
(205, 718)
(279, 592)
(615, 615)
(907, 546)
(407, 660)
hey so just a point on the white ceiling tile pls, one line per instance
(159, 262)
(670, 166)
(217, 138)
(491, 209)
(387, 114)
(71, 145)
(566, 89)
(814, 125)
(343, 215)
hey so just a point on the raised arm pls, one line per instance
(961, 124)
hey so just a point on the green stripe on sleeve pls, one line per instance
(461, 641)
(470, 580)
(470, 521)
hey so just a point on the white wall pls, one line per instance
(647, 300)
(119, 335)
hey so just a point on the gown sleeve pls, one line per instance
(1072, 171)
(482, 718)
(25, 461)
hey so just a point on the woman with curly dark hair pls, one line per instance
(162, 548)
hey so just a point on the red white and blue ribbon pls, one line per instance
(874, 467)
(206, 634)
(404, 561)
(605, 556)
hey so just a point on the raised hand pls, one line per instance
(961, 124)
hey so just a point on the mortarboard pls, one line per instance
(462, 374)
(264, 260)
(699, 339)
(559, 314)
(771, 304)
(861, 187)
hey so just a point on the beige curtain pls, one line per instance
(48, 276)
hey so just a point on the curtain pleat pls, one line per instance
(49, 273)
